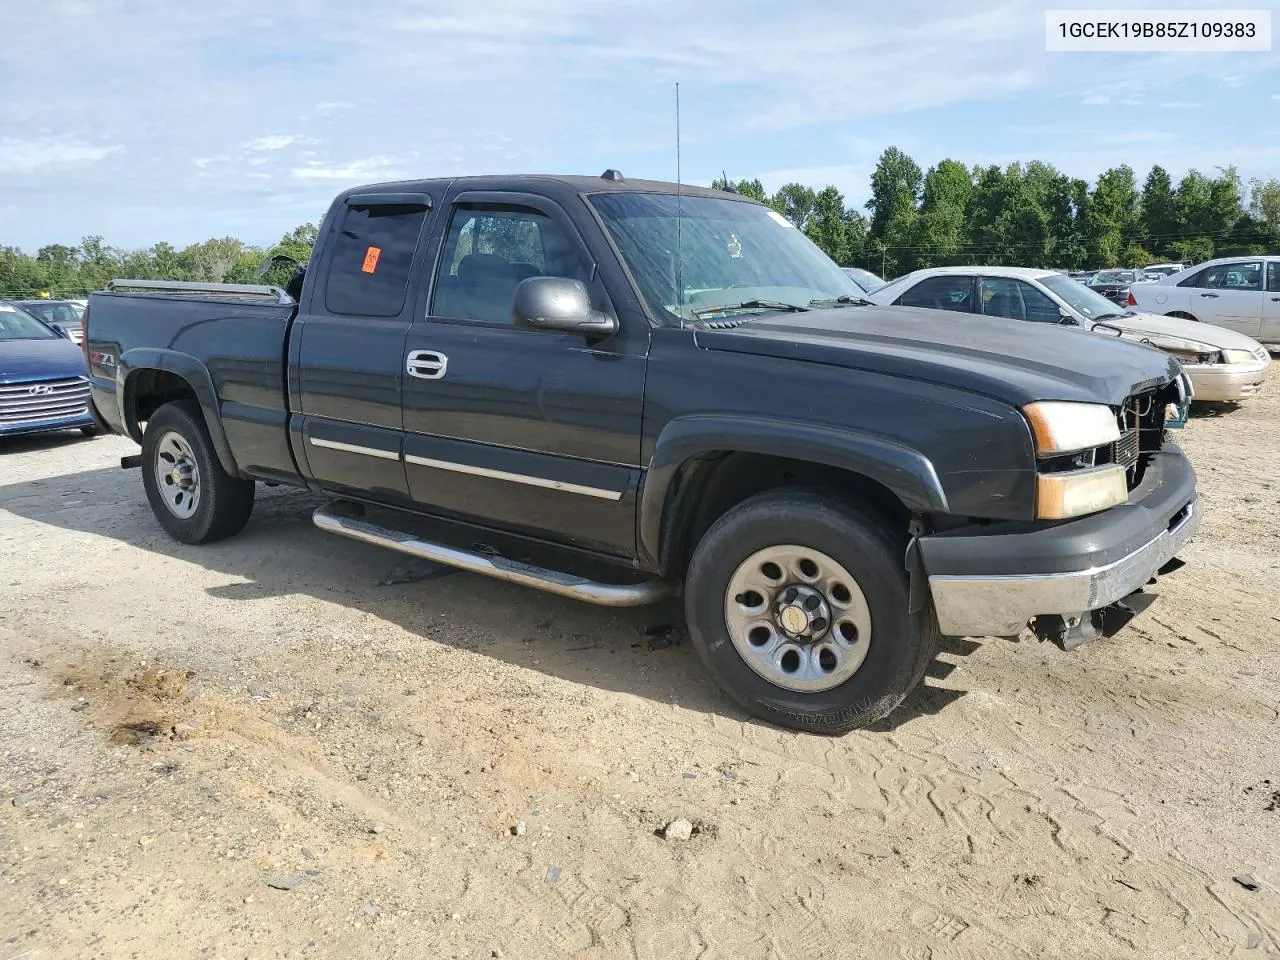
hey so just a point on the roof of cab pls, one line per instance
(549, 184)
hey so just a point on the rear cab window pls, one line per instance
(373, 253)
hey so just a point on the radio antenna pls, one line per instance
(679, 219)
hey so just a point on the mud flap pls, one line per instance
(918, 580)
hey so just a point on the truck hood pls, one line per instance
(1178, 333)
(1010, 360)
(53, 359)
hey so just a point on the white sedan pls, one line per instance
(1239, 293)
(1223, 364)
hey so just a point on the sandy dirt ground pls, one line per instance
(292, 745)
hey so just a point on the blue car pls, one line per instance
(44, 385)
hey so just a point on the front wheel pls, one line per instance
(797, 604)
(194, 499)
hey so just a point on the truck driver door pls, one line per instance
(535, 431)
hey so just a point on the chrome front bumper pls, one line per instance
(983, 606)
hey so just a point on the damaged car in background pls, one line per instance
(1223, 365)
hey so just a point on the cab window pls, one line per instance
(372, 255)
(489, 250)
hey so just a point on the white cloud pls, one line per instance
(27, 156)
(355, 171)
(278, 142)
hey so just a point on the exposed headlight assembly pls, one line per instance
(1061, 426)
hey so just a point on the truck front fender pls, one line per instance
(905, 472)
(134, 362)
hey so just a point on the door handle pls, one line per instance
(1212, 295)
(1275, 299)
(426, 364)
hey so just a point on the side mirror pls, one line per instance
(1066, 320)
(558, 303)
(61, 331)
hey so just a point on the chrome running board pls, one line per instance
(551, 581)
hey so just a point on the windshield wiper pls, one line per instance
(844, 300)
(751, 305)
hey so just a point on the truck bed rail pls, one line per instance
(200, 290)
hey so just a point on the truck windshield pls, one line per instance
(17, 324)
(731, 254)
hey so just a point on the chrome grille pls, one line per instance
(22, 403)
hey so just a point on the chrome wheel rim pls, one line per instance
(798, 618)
(177, 475)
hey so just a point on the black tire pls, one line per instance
(901, 644)
(225, 502)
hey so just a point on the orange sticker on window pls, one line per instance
(371, 259)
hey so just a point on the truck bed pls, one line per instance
(237, 333)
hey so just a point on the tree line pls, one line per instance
(1029, 215)
(61, 271)
(1023, 214)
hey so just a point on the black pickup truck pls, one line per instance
(619, 390)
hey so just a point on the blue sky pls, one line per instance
(147, 120)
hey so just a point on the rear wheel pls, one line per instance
(797, 604)
(1182, 315)
(194, 499)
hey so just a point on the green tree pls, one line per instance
(796, 202)
(1112, 217)
(1135, 256)
(895, 189)
(1264, 203)
(1159, 218)
(1193, 200)
(942, 229)
(747, 188)
(1226, 211)
(829, 226)
(1006, 220)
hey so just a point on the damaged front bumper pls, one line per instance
(993, 580)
